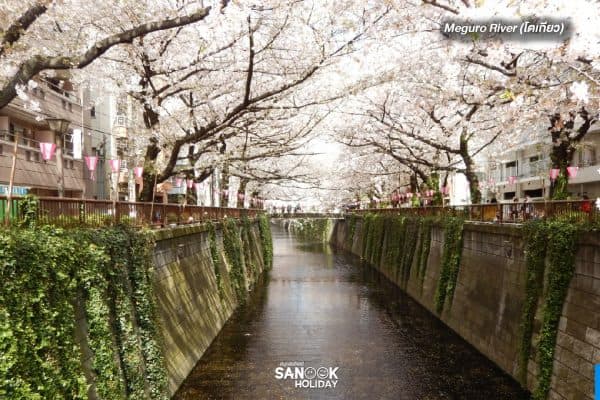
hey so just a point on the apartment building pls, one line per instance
(525, 171)
(89, 133)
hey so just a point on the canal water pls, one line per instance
(320, 313)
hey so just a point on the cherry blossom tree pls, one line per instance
(42, 35)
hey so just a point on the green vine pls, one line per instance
(233, 252)
(247, 248)
(376, 242)
(216, 258)
(535, 239)
(144, 301)
(46, 269)
(560, 187)
(449, 268)
(29, 208)
(351, 229)
(408, 251)
(264, 227)
(424, 247)
(311, 229)
(561, 253)
(40, 359)
(367, 231)
(394, 239)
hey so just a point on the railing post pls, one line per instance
(82, 212)
(117, 212)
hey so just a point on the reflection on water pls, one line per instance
(324, 308)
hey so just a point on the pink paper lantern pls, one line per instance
(91, 162)
(512, 179)
(190, 183)
(138, 172)
(115, 165)
(554, 172)
(409, 194)
(178, 182)
(572, 171)
(47, 150)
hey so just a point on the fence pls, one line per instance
(576, 211)
(68, 212)
(305, 215)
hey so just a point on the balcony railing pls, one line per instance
(79, 212)
(580, 211)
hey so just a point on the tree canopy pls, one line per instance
(243, 88)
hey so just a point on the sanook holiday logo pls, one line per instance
(317, 377)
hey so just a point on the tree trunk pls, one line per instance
(224, 186)
(470, 170)
(563, 149)
(149, 175)
(242, 193)
(564, 139)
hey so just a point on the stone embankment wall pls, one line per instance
(489, 292)
(198, 288)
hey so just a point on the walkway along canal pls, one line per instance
(322, 308)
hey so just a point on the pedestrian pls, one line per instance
(526, 208)
(586, 205)
(514, 209)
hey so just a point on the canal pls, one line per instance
(321, 311)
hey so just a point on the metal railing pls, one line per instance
(573, 210)
(67, 212)
(300, 215)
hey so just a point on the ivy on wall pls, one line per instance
(246, 233)
(45, 269)
(233, 246)
(562, 238)
(264, 227)
(367, 231)
(549, 245)
(449, 268)
(216, 258)
(408, 250)
(39, 357)
(351, 230)
(535, 239)
(424, 247)
(376, 242)
(394, 239)
(550, 248)
(311, 229)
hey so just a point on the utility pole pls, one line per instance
(12, 178)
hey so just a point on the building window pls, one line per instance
(36, 156)
(71, 107)
(93, 112)
(28, 155)
(68, 143)
(1, 150)
(64, 104)
(534, 159)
